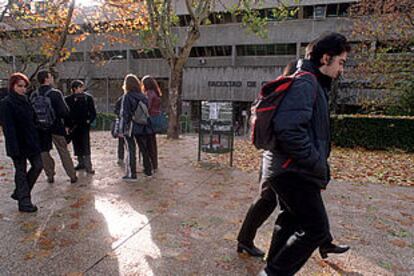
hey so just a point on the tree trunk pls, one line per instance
(174, 94)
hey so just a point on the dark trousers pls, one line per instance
(24, 179)
(121, 148)
(81, 140)
(131, 164)
(85, 161)
(301, 226)
(258, 213)
(152, 150)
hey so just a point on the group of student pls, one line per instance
(33, 123)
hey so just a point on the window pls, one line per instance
(146, 53)
(266, 49)
(211, 51)
(343, 9)
(307, 12)
(184, 20)
(6, 59)
(74, 57)
(332, 10)
(319, 12)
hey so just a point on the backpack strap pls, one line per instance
(48, 92)
(298, 74)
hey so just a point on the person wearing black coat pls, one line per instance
(22, 141)
(57, 133)
(82, 114)
(298, 168)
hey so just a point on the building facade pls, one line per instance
(226, 64)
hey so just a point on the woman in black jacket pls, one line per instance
(22, 141)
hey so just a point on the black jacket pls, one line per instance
(129, 105)
(19, 129)
(117, 108)
(302, 128)
(60, 108)
(82, 110)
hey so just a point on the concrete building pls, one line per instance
(226, 64)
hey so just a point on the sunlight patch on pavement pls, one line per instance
(122, 221)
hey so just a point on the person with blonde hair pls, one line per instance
(135, 126)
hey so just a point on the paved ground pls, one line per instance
(184, 221)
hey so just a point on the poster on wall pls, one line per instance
(216, 128)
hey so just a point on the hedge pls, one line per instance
(373, 132)
(103, 121)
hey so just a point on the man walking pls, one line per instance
(57, 132)
(298, 167)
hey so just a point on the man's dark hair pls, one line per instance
(332, 44)
(76, 84)
(42, 75)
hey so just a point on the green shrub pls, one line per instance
(103, 121)
(373, 132)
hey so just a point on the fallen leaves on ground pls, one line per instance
(357, 165)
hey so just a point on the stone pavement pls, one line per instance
(183, 221)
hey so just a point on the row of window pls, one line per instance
(204, 51)
(306, 12)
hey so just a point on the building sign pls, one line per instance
(226, 83)
(234, 83)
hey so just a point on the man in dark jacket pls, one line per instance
(82, 114)
(57, 132)
(298, 168)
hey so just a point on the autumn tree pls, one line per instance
(385, 57)
(157, 28)
(37, 38)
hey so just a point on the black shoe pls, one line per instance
(332, 248)
(74, 180)
(90, 171)
(28, 208)
(129, 178)
(79, 167)
(251, 250)
(50, 180)
(14, 196)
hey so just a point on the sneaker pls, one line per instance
(74, 180)
(51, 180)
(129, 178)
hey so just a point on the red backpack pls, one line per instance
(264, 108)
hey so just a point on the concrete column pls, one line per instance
(233, 55)
(87, 67)
(128, 61)
(297, 50)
